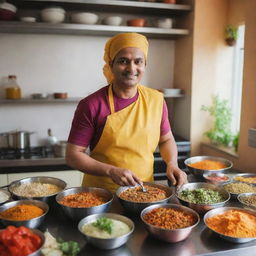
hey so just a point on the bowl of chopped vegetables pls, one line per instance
(169, 222)
(202, 196)
(78, 202)
(134, 200)
(28, 213)
(21, 241)
(239, 224)
(106, 230)
(200, 165)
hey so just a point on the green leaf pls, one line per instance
(70, 248)
(104, 224)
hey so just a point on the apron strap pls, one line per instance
(111, 99)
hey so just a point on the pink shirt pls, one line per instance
(91, 115)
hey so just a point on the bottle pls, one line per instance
(51, 140)
(12, 89)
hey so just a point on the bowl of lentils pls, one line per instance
(235, 188)
(247, 200)
(202, 196)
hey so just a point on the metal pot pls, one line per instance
(18, 139)
(59, 149)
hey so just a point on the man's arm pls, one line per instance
(169, 153)
(78, 159)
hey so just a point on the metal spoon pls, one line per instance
(143, 189)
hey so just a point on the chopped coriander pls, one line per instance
(104, 224)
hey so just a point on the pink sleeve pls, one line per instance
(165, 124)
(82, 128)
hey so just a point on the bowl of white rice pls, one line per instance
(41, 188)
(106, 230)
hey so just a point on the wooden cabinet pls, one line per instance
(71, 177)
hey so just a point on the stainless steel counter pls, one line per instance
(200, 242)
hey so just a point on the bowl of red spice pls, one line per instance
(200, 165)
(28, 213)
(233, 224)
(169, 222)
(216, 178)
(30, 241)
(79, 202)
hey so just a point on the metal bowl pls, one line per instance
(228, 238)
(200, 172)
(32, 223)
(242, 196)
(208, 179)
(235, 195)
(245, 175)
(107, 243)
(136, 207)
(8, 196)
(202, 208)
(169, 235)
(51, 180)
(41, 235)
(77, 213)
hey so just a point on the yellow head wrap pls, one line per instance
(119, 42)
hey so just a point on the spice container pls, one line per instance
(12, 89)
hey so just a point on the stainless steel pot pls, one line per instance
(18, 139)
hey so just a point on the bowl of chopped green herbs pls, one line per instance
(202, 196)
(106, 230)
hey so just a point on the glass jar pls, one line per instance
(12, 89)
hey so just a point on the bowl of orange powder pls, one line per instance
(79, 202)
(233, 224)
(28, 213)
(200, 165)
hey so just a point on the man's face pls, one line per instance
(128, 67)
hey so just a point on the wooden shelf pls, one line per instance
(120, 6)
(81, 29)
(36, 101)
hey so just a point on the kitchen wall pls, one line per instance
(63, 63)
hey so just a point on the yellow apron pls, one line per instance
(129, 138)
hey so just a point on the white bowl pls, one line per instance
(53, 15)
(8, 6)
(164, 23)
(171, 91)
(113, 20)
(28, 19)
(84, 18)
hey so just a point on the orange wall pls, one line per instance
(209, 64)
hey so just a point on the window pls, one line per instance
(237, 79)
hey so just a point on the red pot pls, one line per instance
(7, 14)
(136, 22)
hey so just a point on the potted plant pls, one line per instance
(221, 133)
(231, 34)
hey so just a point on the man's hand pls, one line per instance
(123, 177)
(176, 175)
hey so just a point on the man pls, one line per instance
(122, 123)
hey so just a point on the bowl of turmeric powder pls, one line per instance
(233, 224)
(28, 213)
(200, 165)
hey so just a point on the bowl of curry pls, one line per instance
(78, 202)
(134, 200)
(200, 165)
(169, 222)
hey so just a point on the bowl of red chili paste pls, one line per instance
(216, 179)
(169, 222)
(21, 241)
